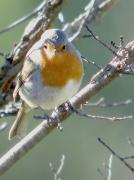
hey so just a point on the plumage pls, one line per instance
(51, 74)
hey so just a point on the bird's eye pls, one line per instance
(63, 47)
(45, 46)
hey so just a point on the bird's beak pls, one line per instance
(52, 52)
(55, 50)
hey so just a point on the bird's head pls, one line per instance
(54, 43)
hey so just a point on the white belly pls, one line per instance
(37, 95)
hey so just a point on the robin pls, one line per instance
(51, 74)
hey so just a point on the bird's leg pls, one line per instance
(60, 112)
(56, 117)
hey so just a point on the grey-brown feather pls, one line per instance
(25, 73)
(19, 126)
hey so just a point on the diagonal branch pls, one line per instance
(98, 81)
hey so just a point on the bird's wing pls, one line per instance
(25, 73)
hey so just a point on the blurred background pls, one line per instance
(78, 141)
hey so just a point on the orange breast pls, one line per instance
(64, 66)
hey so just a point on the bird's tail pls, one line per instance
(20, 124)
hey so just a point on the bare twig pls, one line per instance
(116, 155)
(100, 41)
(97, 103)
(101, 103)
(93, 13)
(57, 172)
(91, 62)
(128, 157)
(80, 113)
(110, 167)
(24, 18)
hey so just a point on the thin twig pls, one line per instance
(107, 168)
(91, 62)
(121, 43)
(23, 19)
(110, 167)
(62, 162)
(100, 103)
(80, 113)
(128, 157)
(116, 155)
(100, 41)
(92, 14)
(57, 172)
(97, 103)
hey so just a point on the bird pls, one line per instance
(52, 73)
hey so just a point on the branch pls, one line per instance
(110, 167)
(102, 104)
(113, 118)
(93, 13)
(60, 168)
(116, 155)
(97, 82)
(24, 18)
(107, 167)
(91, 62)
